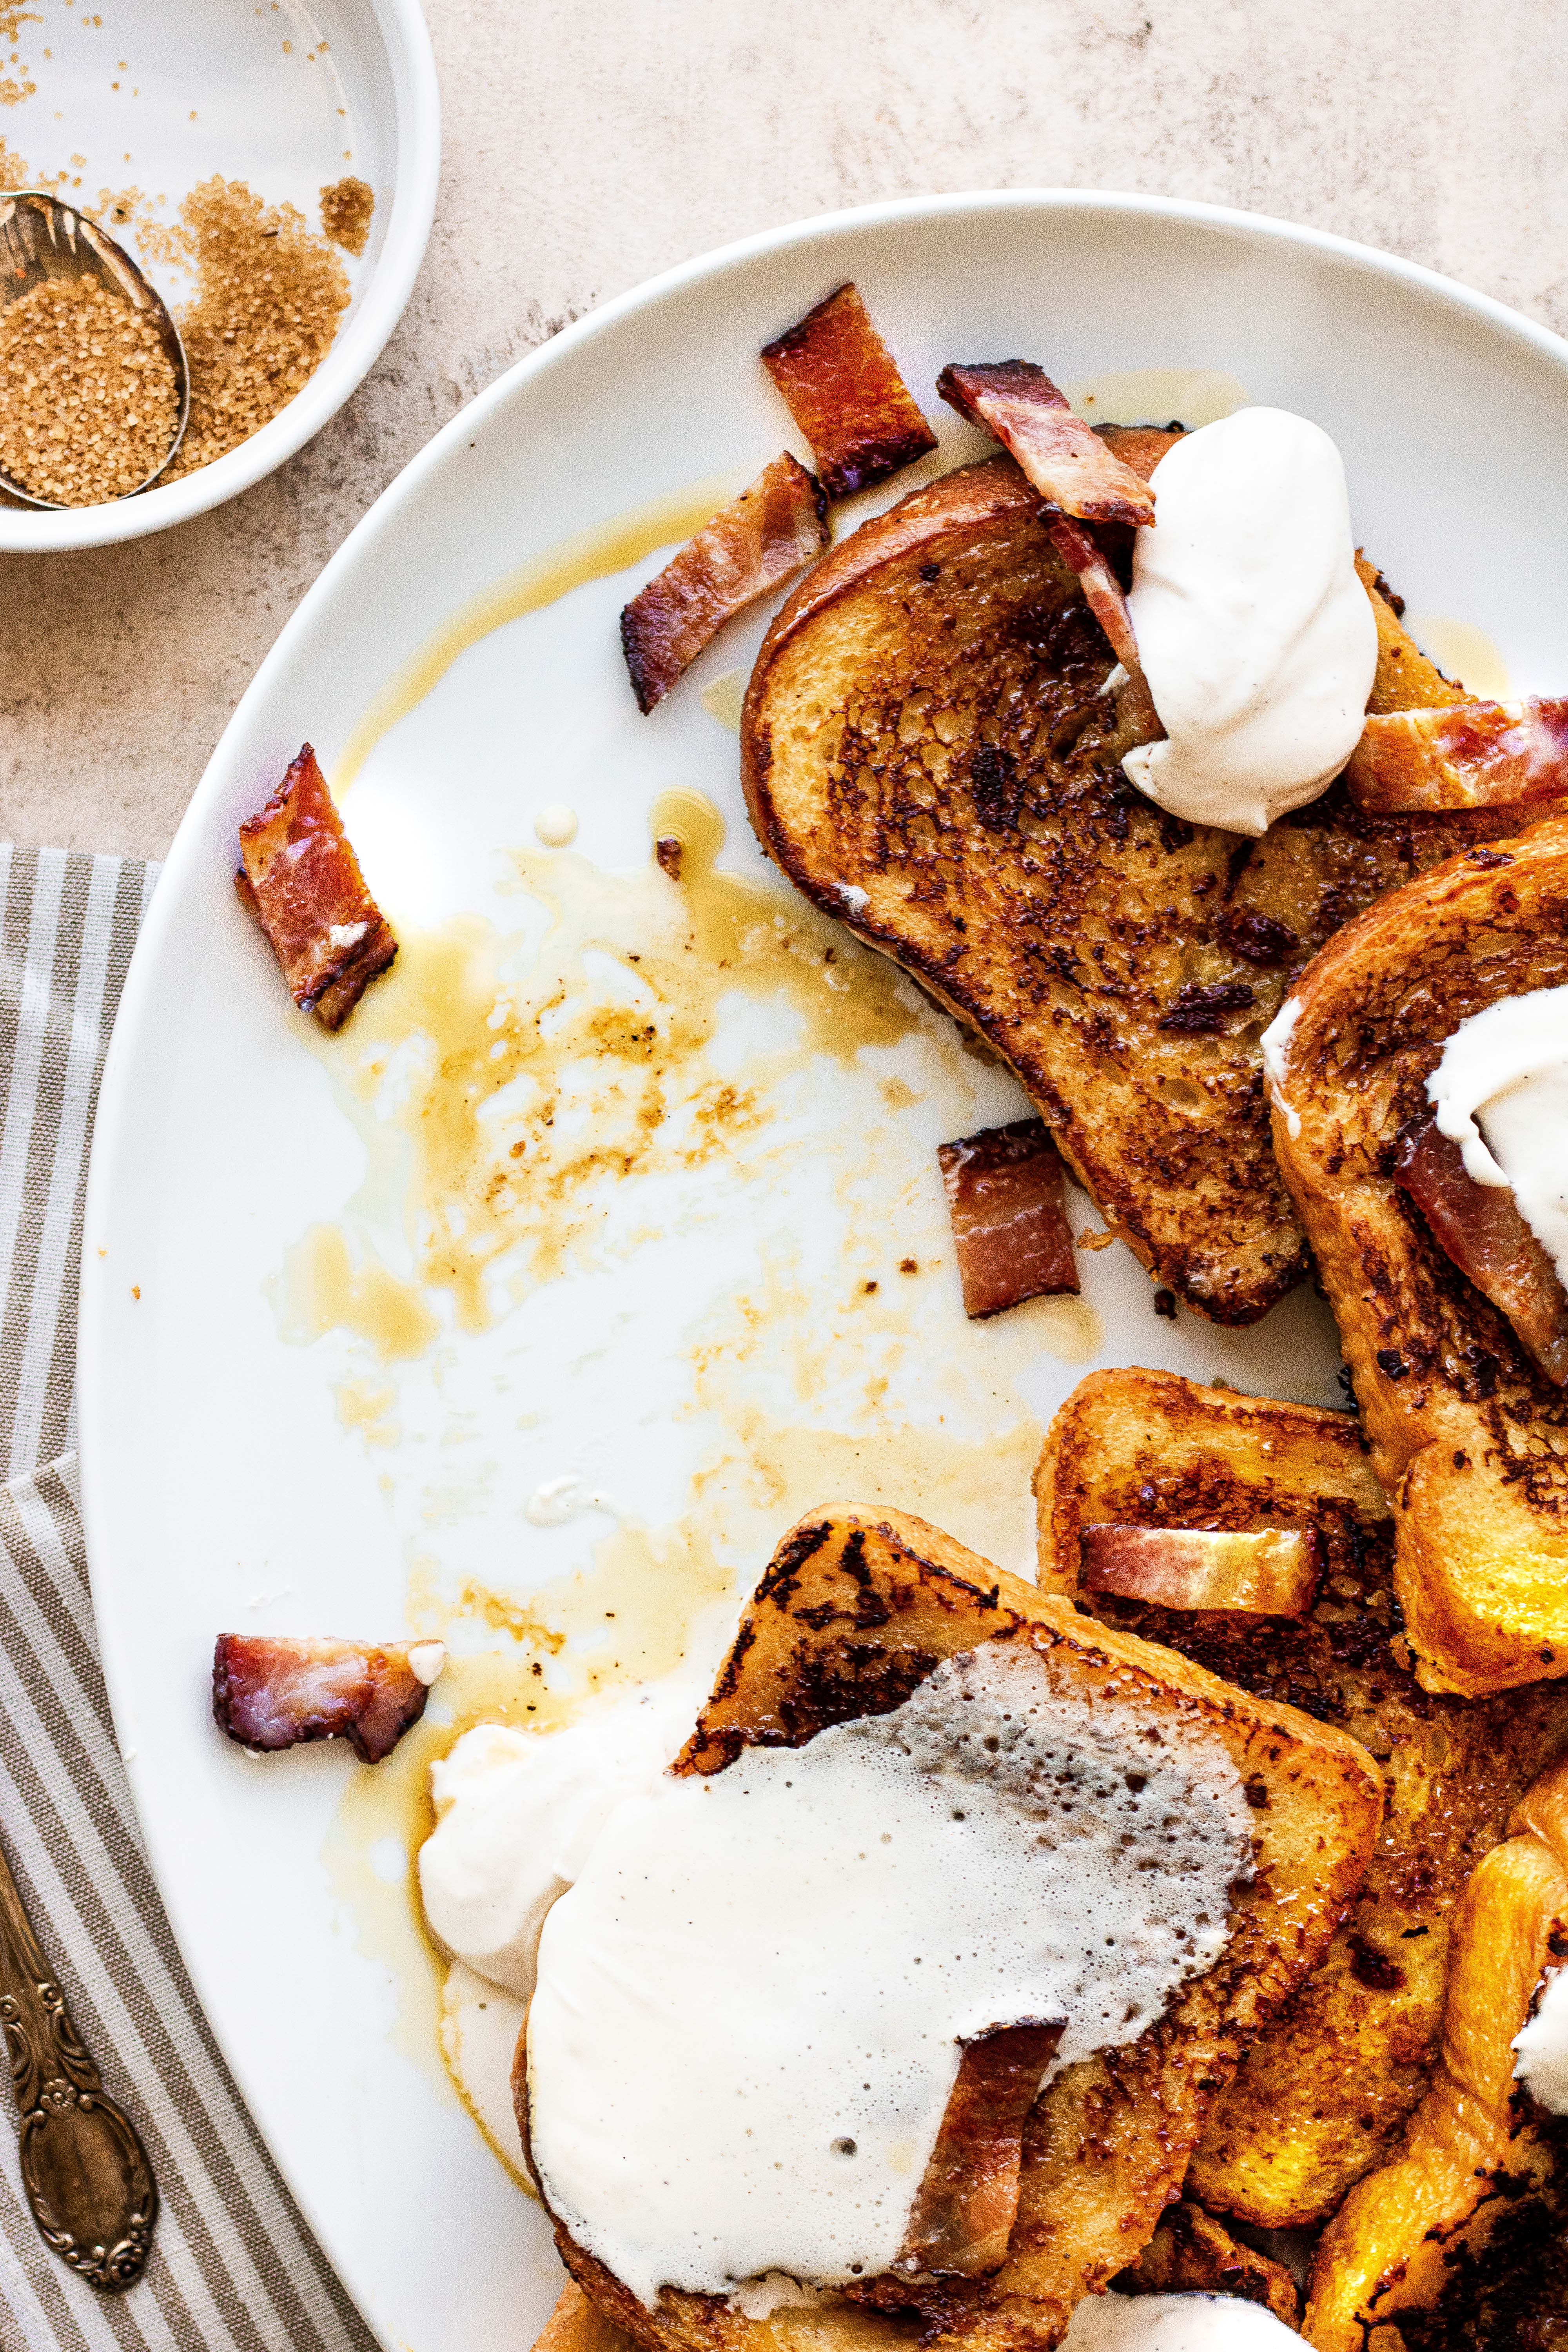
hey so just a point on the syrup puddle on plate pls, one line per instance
(1464, 653)
(678, 1110)
(592, 554)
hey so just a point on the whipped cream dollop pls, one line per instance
(1500, 1093)
(517, 1813)
(750, 2006)
(1256, 636)
(1541, 2065)
(1174, 2323)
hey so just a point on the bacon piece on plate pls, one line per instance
(756, 542)
(1072, 469)
(847, 396)
(1462, 755)
(1004, 1197)
(968, 2201)
(300, 880)
(1266, 1571)
(1482, 1230)
(275, 1691)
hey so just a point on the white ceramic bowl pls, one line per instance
(217, 86)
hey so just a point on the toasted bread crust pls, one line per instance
(577, 2326)
(858, 1608)
(1467, 1431)
(1404, 680)
(1191, 2253)
(1324, 2092)
(1390, 2249)
(929, 754)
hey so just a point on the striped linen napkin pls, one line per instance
(234, 2268)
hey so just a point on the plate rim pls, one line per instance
(117, 1103)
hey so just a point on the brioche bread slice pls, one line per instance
(1324, 2092)
(930, 754)
(577, 2325)
(1468, 1432)
(855, 1610)
(1426, 2231)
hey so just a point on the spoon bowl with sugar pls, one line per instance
(55, 260)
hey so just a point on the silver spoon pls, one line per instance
(42, 238)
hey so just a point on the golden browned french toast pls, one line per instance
(1191, 2253)
(855, 1610)
(577, 2325)
(930, 754)
(1502, 2281)
(1468, 1433)
(1325, 2090)
(1403, 2264)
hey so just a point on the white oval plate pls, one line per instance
(288, 97)
(222, 1487)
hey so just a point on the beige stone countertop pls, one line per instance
(587, 147)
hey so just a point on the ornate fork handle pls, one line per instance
(85, 2170)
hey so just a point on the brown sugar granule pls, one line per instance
(346, 209)
(88, 400)
(268, 294)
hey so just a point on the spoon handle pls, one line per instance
(87, 2182)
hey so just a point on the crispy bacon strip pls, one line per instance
(846, 396)
(1268, 1572)
(966, 2205)
(300, 880)
(1004, 1197)
(270, 1691)
(1079, 475)
(755, 543)
(1482, 1230)
(1069, 463)
(1462, 755)
(1102, 590)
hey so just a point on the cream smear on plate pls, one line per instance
(1174, 2323)
(750, 2006)
(1500, 1093)
(517, 1813)
(1256, 636)
(1543, 2045)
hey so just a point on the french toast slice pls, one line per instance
(1468, 1434)
(1191, 2253)
(930, 754)
(1325, 2090)
(1421, 2248)
(855, 1610)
